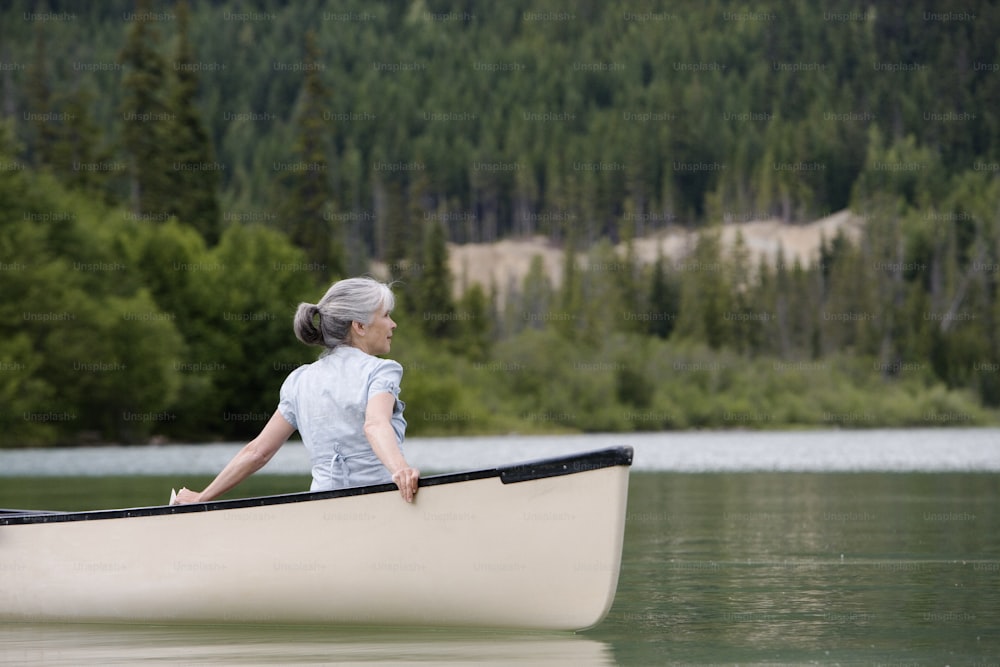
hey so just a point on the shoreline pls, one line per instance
(966, 449)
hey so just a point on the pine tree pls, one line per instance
(706, 293)
(195, 172)
(664, 299)
(78, 159)
(434, 285)
(626, 274)
(311, 223)
(65, 134)
(475, 324)
(571, 291)
(391, 242)
(147, 120)
(537, 297)
(41, 105)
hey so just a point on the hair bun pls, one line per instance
(306, 328)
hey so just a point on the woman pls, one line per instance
(345, 405)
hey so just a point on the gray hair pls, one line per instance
(347, 301)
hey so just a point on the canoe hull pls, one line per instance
(541, 553)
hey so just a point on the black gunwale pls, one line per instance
(509, 474)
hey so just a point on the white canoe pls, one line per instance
(535, 545)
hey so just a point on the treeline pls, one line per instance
(174, 180)
(116, 329)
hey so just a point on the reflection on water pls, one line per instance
(73, 645)
(809, 568)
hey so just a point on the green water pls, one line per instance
(742, 568)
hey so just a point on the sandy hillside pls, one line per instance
(506, 262)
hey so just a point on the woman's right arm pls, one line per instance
(382, 438)
(247, 461)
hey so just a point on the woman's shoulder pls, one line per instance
(298, 371)
(291, 381)
(389, 364)
(377, 366)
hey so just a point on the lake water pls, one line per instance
(835, 547)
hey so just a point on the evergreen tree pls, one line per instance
(146, 118)
(196, 173)
(474, 322)
(392, 238)
(65, 135)
(705, 293)
(433, 287)
(310, 209)
(537, 297)
(663, 300)
(571, 291)
(81, 162)
(625, 272)
(40, 103)
(605, 306)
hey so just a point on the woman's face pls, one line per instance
(376, 337)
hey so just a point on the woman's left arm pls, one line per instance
(382, 438)
(247, 461)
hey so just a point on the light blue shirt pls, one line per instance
(326, 402)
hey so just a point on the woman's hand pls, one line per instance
(185, 496)
(406, 479)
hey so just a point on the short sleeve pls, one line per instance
(288, 397)
(386, 378)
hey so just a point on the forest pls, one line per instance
(175, 178)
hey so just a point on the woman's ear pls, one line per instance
(358, 328)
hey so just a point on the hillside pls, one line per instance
(178, 175)
(505, 263)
